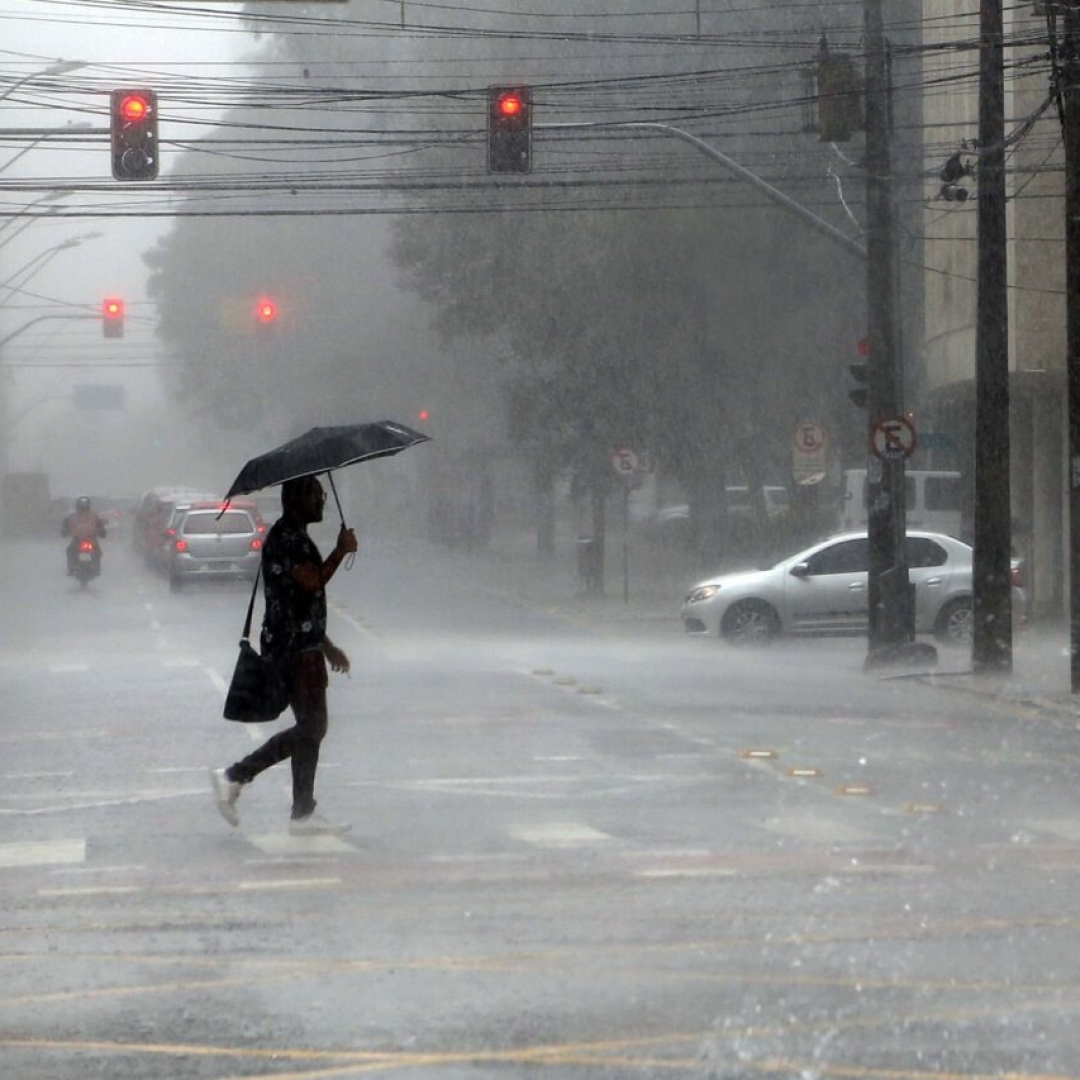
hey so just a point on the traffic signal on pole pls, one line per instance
(112, 317)
(860, 372)
(509, 129)
(134, 132)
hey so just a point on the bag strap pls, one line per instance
(251, 603)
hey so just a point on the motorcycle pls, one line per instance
(87, 561)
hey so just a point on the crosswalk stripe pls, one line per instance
(42, 852)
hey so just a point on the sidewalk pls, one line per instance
(1040, 678)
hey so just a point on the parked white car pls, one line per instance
(823, 589)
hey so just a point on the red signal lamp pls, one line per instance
(266, 310)
(134, 108)
(423, 414)
(510, 105)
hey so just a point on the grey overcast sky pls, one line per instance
(120, 44)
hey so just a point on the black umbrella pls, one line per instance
(322, 449)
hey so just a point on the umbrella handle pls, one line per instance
(351, 557)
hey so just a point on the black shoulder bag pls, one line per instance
(259, 690)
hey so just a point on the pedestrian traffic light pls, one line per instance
(509, 129)
(112, 317)
(134, 131)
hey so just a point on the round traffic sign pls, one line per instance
(893, 438)
(809, 437)
(625, 462)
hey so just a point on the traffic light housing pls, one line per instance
(134, 134)
(509, 141)
(112, 317)
(841, 92)
(860, 372)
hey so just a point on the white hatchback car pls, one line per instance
(823, 589)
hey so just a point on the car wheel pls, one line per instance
(954, 622)
(750, 622)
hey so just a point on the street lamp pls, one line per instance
(69, 126)
(60, 67)
(43, 257)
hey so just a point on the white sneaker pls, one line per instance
(227, 792)
(316, 825)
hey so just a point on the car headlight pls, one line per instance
(702, 592)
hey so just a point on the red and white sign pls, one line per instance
(809, 437)
(626, 463)
(893, 438)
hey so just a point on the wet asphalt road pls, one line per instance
(580, 849)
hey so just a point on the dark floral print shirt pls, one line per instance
(295, 619)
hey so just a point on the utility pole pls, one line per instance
(991, 649)
(891, 611)
(1071, 88)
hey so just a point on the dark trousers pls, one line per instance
(300, 743)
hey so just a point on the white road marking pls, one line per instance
(289, 883)
(8, 811)
(217, 680)
(42, 852)
(66, 774)
(559, 834)
(284, 844)
(91, 890)
(688, 871)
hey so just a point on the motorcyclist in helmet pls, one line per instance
(81, 524)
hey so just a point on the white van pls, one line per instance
(933, 500)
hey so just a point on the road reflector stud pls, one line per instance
(543, 671)
(854, 789)
(924, 808)
(805, 772)
(564, 681)
(759, 754)
(589, 690)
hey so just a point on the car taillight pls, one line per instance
(256, 544)
(181, 545)
(86, 545)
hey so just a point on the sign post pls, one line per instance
(627, 466)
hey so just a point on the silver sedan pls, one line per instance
(823, 589)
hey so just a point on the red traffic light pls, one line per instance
(510, 105)
(134, 107)
(112, 317)
(266, 310)
(423, 414)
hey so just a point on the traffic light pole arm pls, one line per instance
(33, 322)
(777, 196)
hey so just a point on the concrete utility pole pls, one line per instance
(991, 567)
(890, 608)
(1071, 74)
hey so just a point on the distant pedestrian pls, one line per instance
(294, 633)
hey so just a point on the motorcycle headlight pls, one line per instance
(702, 592)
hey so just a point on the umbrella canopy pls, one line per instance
(322, 449)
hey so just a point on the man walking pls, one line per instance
(294, 633)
